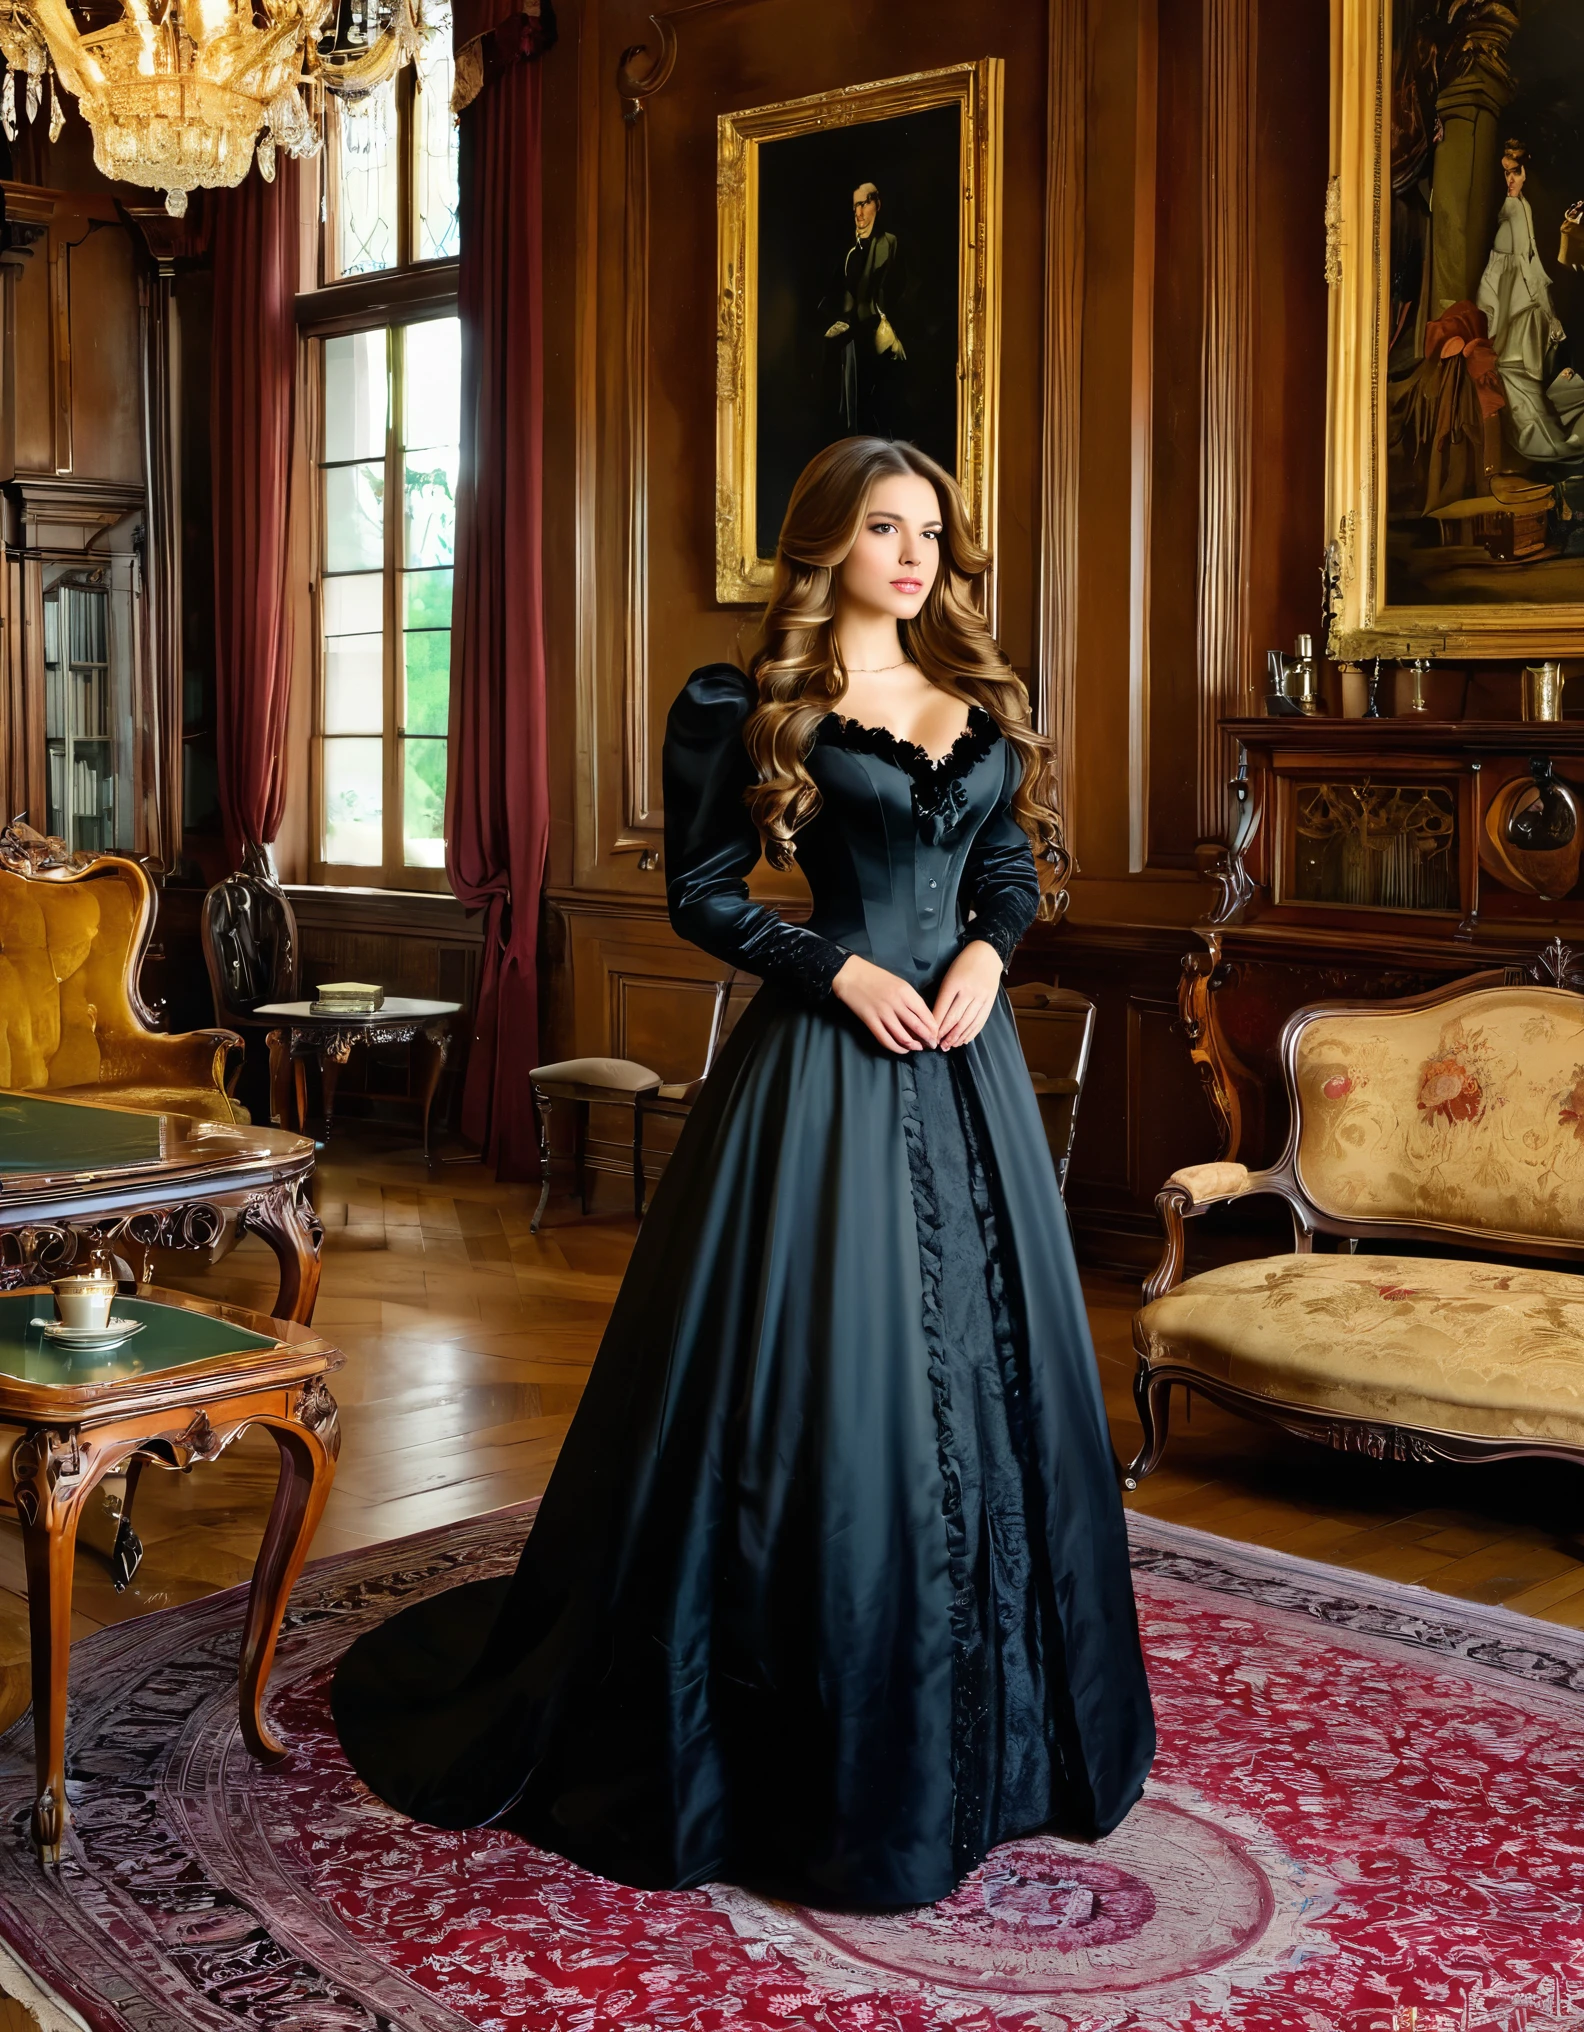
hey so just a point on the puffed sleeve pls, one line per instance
(712, 844)
(999, 881)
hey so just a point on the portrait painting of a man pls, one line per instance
(872, 357)
(858, 291)
(858, 278)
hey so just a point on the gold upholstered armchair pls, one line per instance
(73, 928)
(1452, 1120)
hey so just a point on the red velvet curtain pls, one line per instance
(497, 792)
(252, 405)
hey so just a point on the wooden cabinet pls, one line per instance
(87, 678)
(1377, 858)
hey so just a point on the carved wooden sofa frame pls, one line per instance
(1199, 1188)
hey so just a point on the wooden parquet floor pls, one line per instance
(468, 1341)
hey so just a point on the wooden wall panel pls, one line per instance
(411, 945)
(1143, 1111)
(1287, 524)
(1176, 410)
(1055, 688)
(640, 992)
(637, 219)
(1133, 133)
(1226, 675)
(100, 278)
(33, 444)
(73, 339)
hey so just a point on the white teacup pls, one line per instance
(84, 1302)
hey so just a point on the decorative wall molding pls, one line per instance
(640, 799)
(1142, 432)
(160, 709)
(1056, 684)
(1227, 427)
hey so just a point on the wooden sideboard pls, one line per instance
(1372, 858)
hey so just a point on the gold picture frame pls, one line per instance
(742, 565)
(1491, 613)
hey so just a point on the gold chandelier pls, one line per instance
(182, 95)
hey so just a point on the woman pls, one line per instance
(829, 1590)
(1515, 295)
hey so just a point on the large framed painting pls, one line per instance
(1455, 249)
(858, 293)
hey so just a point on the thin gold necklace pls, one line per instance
(875, 669)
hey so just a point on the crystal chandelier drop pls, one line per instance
(182, 95)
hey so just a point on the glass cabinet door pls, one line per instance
(88, 688)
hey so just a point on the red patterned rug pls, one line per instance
(1367, 1816)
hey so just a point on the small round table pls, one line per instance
(400, 1019)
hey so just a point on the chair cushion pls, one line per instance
(617, 1079)
(1455, 1347)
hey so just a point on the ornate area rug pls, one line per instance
(1367, 1816)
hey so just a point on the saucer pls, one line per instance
(89, 1336)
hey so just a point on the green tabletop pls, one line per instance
(64, 1136)
(172, 1338)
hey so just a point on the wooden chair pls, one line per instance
(1056, 1029)
(249, 934)
(586, 1083)
(674, 1100)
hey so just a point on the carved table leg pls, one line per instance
(283, 1086)
(329, 1073)
(127, 1554)
(429, 1048)
(308, 1450)
(285, 1217)
(50, 1487)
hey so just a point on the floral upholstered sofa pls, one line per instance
(1455, 1118)
(73, 928)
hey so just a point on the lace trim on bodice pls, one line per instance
(939, 798)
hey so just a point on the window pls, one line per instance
(392, 400)
(389, 380)
(391, 195)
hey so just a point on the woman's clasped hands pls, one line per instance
(896, 1014)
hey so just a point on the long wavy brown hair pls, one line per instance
(797, 665)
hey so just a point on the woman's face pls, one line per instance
(1516, 174)
(896, 554)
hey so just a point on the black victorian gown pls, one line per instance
(829, 1591)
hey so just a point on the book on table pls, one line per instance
(347, 998)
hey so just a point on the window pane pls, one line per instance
(356, 383)
(432, 387)
(431, 507)
(426, 601)
(427, 674)
(354, 517)
(355, 606)
(435, 140)
(367, 198)
(354, 684)
(423, 803)
(354, 802)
